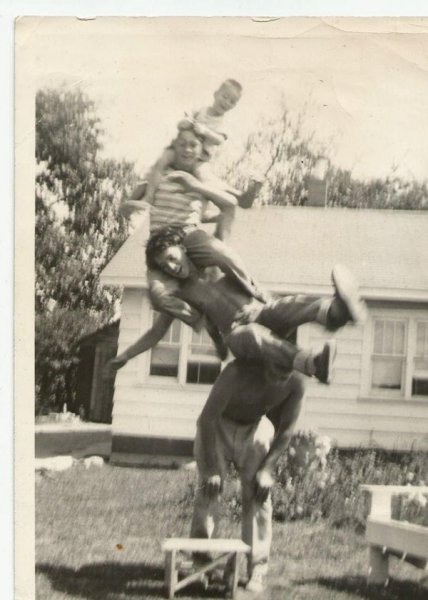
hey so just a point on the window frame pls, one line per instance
(410, 317)
(183, 360)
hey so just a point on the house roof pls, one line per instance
(292, 249)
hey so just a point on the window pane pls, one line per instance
(164, 360)
(387, 373)
(420, 377)
(421, 339)
(420, 387)
(203, 365)
(164, 357)
(175, 330)
(202, 344)
(399, 338)
(198, 372)
(388, 338)
(378, 337)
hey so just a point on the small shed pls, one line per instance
(94, 392)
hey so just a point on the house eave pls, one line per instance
(368, 293)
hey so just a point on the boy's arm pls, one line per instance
(207, 422)
(211, 136)
(145, 342)
(164, 301)
(205, 188)
(265, 474)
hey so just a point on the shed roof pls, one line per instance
(292, 249)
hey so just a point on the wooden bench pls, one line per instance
(229, 549)
(389, 537)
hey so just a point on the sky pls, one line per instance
(364, 95)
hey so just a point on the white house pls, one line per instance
(379, 394)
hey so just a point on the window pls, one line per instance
(399, 356)
(203, 365)
(388, 354)
(420, 364)
(164, 358)
(185, 356)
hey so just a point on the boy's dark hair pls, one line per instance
(234, 84)
(161, 240)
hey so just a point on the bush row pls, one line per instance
(314, 481)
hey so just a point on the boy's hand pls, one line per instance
(263, 485)
(187, 180)
(247, 314)
(114, 365)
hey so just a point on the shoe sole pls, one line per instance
(347, 289)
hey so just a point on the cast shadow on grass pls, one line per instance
(358, 587)
(97, 580)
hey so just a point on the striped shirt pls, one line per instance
(173, 205)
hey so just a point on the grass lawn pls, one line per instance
(99, 534)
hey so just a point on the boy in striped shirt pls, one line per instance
(179, 200)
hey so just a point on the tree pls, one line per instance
(78, 226)
(280, 153)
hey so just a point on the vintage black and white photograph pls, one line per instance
(230, 267)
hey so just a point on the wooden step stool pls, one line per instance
(232, 549)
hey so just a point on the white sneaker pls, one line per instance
(346, 288)
(257, 582)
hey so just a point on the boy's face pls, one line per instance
(187, 149)
(174, 261)
(225, 98)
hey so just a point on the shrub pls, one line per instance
(56, 334)
(314, 482)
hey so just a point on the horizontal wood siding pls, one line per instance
(157, 409)
(143, 407)
(338, 410)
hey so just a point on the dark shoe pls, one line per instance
(246, 199)
(347, 304)
(324, 362)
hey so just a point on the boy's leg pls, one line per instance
(206, 251)
(254, 444)
(283, 316)
(256, 342)
(224, 223)
(206, 508)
